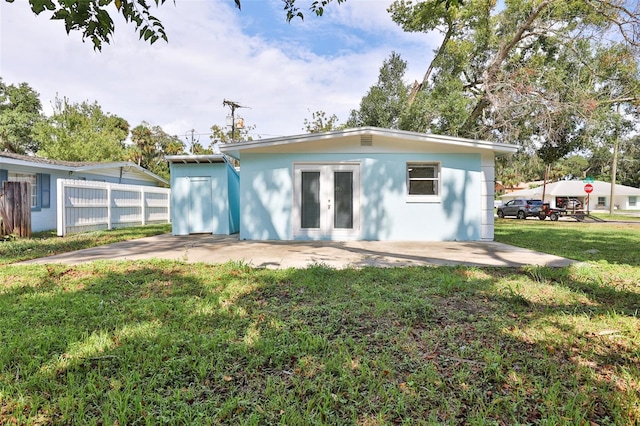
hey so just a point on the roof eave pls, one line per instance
(101, 166)
(234, 149)
(196, 159)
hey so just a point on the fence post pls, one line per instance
(109, 201)
(143, 210)
(61, 208)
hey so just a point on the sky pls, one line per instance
(281, 72)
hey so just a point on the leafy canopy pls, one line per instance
(150, 144)
(92, 17)
(20, 110)
(81, 132)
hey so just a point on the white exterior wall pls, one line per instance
(488, 196)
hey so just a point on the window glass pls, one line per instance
(423, 178)
(27, 177)
(310, 217)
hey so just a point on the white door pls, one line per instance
(327, 201)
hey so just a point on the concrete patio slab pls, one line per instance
(300, 254)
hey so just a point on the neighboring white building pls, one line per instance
(44, 174)
(625, 197)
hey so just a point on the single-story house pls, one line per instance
(204, 194)
(355, 184)
(43, 174)
(556, 194)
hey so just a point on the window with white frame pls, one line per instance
(633, 201)
(423, 181)
(27, 177)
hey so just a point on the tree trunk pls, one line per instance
(494, 68)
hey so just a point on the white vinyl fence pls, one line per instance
(89, 206)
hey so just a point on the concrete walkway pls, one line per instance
(300, 254)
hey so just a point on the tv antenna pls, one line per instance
(240, 124)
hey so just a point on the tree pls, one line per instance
(531, 72)
(321, 123)
(20, 110)
(385, 102)
(220, 135)
(486, 45)
(93, 19)
(150, 145)
(81, 132)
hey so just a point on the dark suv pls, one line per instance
(520, 208)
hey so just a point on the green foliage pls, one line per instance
(224, 135)
(150, 145)
(20, 110)
(293, 11)
(92, 18)
(81, 132)
(383, 105)
(321, 123)
(542, 74)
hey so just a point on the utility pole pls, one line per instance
(614, 165)
(233, 105)
(192, 142)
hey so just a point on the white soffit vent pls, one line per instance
(366, 140)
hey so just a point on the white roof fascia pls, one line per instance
(233, 148)
(102, 166)
(205, 158)
(85, 168)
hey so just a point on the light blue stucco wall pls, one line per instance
(233, 178)
(266, 196)
(210, 212)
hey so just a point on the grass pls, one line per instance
(47, 243)
(166, 342)
(617, 243)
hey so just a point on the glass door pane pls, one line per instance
(343, 200)
(310, 214)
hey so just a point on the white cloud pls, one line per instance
(180, 85)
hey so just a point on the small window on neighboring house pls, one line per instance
(27, 177)
(423, 181)
(40, 187)
(601, 201)
(633, 201)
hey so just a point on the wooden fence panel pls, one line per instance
(87, 206)
(15, 209)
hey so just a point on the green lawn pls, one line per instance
(165, 342)
(47, 243)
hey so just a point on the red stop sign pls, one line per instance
(588, 188)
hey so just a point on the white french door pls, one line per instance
(326, 201)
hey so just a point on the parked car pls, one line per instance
(520, 208)
(572, 204)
